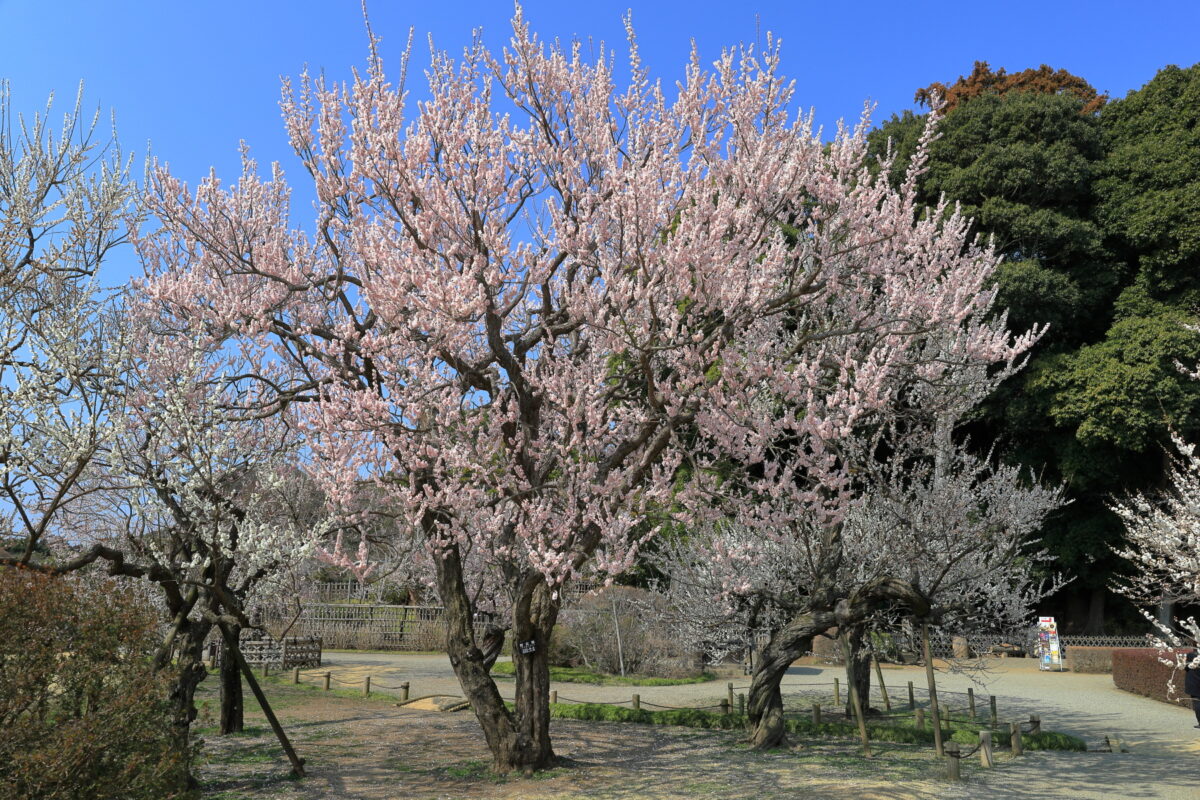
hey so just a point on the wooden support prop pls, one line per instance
(971, 703)
(992, 703)
(933, 698)
(328, 677)
(404, 692)
(817, 713)
(297, 762)
(920, 715)
(295, 675)
(985, 749)
(741, 704)
(637, 702)
(953, 767)
(887, 702)
(367, 686)
(729, 694)
(837, 692)
(1035, 724)
(554, 695)
(1014, 730)
(912, 697)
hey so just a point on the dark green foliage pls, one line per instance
(1098, 218)
(1149, 189)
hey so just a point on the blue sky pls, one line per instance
(193, 79)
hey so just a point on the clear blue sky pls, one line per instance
(194, 78)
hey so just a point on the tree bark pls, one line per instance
(764, 706)
(189, 672)
(232, 703)
(492, 645)
(518, 740)
(858, 668)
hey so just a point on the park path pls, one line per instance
(1162, 742)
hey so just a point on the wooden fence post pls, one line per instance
(367, 686)
(295, 675)
(992, 703)
(637, 702)
(553, 696)
(952, 765)
(1035, 724)
(1015, 736)
(971, 703)
(912, 698)
(328, 677)
(404, 692)
(724, 706)
(729, 695)
(985, 749)
(817, 713)
(920, 714)
(741, 704)
(266, 669)
(837, 692)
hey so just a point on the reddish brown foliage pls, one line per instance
(983, 80)
(82, 715)
(1140, 671)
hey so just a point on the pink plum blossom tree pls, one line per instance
(517, 303)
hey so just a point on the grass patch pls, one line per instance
(900, 731)
(505, 669)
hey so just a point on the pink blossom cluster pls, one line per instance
(519, 304)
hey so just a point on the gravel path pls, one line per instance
(1162, 742)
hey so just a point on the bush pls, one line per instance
(1140, 671)
(587, 636)
(899, 732)
(82, 714)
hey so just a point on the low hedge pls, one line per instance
(1140, 671)
(901, 732)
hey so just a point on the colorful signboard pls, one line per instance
(1049, 651)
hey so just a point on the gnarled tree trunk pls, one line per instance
(858, 668)
(519, 740)
(765, 704)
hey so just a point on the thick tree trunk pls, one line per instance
(189, 672)
(764, 705)
(232, 703)
(519, 740)
(858, 668)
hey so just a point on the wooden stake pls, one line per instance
(933, 699)
(985, 749)
(1015, 737)
(887, 703)
(297, 762)
(952, 762)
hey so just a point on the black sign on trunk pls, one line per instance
(527, 647)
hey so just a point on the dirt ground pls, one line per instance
(370, 749)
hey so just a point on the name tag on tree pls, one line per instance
(527, 647)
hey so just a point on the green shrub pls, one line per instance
(899, 731)
(82, 715)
